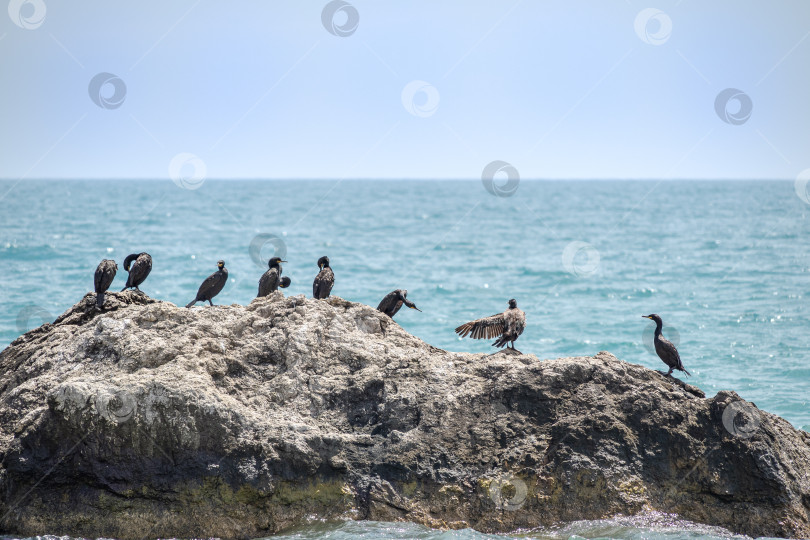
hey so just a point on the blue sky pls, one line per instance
(574, 89)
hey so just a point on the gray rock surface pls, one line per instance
(149, 420)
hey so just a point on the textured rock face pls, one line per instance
(150, 420)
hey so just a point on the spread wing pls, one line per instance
(486, 328)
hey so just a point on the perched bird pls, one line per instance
(393, 302)
(664, 348)
(212, 285)
(506, 326)
(324, 281)
(140, 268)
(271, 280)
(105, 273)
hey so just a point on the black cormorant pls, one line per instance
(212, 285)
(506, 326)
(272, 280)
(393, 302)
(140, 268)
(664, 348)
(105, 273)
(324, 281)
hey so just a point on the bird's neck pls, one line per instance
(658, 327)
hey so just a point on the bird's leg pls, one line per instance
(669, 373)
(210, 303)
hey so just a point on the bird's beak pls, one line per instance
(416, 308)
(644, 317)
(282, 261)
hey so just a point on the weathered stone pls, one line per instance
(149, 420)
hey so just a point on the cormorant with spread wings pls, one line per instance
(506, 326)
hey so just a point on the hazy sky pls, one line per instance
(395, 89)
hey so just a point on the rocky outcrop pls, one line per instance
(149, 420)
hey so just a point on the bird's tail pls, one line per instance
(191, 303)
(501, 341)
(99, 299)
(684, 370)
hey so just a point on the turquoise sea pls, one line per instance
(726, 264)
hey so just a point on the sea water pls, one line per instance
(725, 264)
